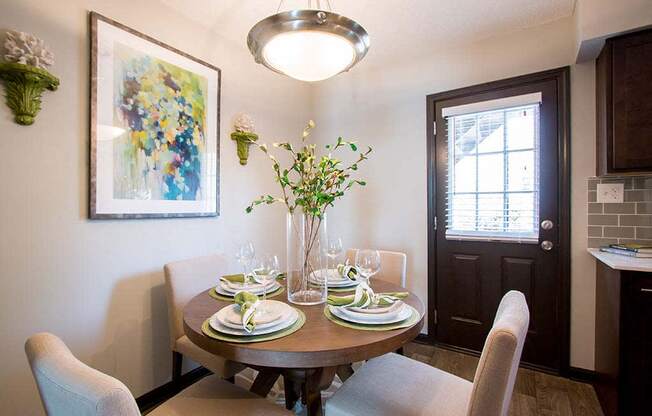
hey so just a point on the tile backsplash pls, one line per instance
(627, 222)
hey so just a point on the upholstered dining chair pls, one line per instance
(393, 266)
(69, 387)
(183, 280)
(396, 385)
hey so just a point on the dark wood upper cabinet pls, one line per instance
(624, 104)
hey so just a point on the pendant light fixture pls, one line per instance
(308, 44)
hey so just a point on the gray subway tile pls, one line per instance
(593, 184)
(635, 241)
(634, 196)
(619, 232)
(603, 219)
(638, 220)
(643, 207)
(613, 180)
(594, 231)
(595, 208)
(597, 242)
(629, 183)
(626, 208)
(643, 183)
(593, 196)
(644, 233)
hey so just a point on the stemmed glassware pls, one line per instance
(333, 250)
(267, 271)
(245, 255)
(367, 262)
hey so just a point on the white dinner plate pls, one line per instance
(219, 327)
(269, 313)
(335, 279)
(377, 309)
(222, 289)
(377, 319)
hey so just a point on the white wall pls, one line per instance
(597, 20)
(98, 284)
(385, 107)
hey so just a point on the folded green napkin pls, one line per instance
(348, 300)
(234, 278)
(388, 298)
(364, 297)
(248, 303)
(346, 270)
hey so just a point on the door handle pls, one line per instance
(547, 245)
(547, 225)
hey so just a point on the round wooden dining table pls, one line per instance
(307, 359)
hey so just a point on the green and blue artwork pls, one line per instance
(159, 110)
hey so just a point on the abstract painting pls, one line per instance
(154, 127)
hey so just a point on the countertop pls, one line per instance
(619, 262)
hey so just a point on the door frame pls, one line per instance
(562, 78)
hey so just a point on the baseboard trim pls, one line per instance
(153, 398)
(582, 374)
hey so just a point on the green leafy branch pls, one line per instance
(312, 182)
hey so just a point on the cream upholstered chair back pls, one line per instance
(184, 280)
(69, 387)
(495, 376)
(393, 266)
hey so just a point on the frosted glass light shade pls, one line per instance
(309, 55)
(308, 45)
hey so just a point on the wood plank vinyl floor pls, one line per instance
(535, 393)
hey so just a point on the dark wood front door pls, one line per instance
(486, 235)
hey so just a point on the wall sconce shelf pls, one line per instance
(24, 85)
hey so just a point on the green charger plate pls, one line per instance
(211, 333)
(412, 320)
(213, 293)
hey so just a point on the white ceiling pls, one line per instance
(398, 28)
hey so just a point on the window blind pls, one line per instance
(493, 170)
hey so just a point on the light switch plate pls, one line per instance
(611, 193)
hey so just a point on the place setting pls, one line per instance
(366, 310)
(250, 319)
(263, 279)
(344, 277)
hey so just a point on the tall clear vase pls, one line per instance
(306, 236)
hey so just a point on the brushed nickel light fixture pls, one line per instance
(308, 44)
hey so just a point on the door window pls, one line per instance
(493, 170)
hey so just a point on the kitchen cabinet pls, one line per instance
(624, 104)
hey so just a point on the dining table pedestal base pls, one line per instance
(299, 384)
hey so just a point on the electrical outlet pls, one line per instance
(611, 193)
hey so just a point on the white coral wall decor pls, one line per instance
(27, 49)
(244, 123)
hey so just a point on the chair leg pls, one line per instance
(177, 361)
(400, 351)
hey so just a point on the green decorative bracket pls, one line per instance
(244, 140)
(24, 85)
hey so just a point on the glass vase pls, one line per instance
(305, 260)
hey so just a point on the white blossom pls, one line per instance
(27, 49)
(244, 123)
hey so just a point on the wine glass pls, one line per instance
(267, 271)
(367, 262)
(245, 255)
(333, 250)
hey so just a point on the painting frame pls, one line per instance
(97, 209)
